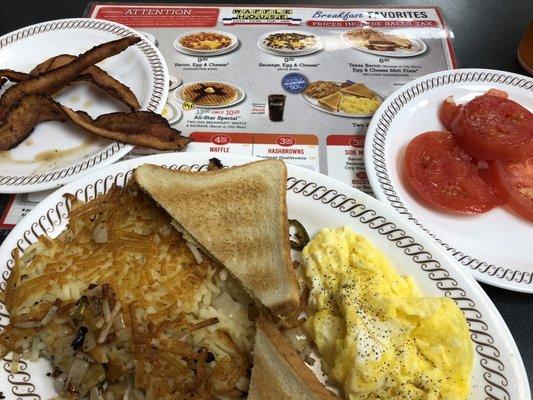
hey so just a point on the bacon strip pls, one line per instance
(94, 75)
(141, 128)
(22, 117)
(54, 80)
(12, 76)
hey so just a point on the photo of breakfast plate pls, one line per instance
(384, 43)
(210, 94)
(140, 280)
(290, 43)
(346, 99)
(206, 43)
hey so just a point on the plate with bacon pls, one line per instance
(77, 94)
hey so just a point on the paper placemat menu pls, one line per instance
(295, 83)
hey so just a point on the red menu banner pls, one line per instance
(138, 16)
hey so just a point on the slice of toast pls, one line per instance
(238, 216)
(360, 90)
(331, 102)
(278, 372)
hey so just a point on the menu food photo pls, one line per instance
(229, 201)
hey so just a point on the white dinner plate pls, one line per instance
(288, 52)
(496, 246)
(419, 46)
(317, 201)
(311, 102)
(206, 53)
(240, 95)
(55, 153)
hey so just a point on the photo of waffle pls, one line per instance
(207, 43)
(294, 43)
(384, 43)
(210, 94)
(347, 99)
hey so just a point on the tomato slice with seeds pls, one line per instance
(492, 127)
(448, 111)
(514, 179)
(443, 174)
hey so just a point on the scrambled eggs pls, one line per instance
(358, 105)
(378, 336)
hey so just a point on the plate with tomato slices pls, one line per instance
(453, 153)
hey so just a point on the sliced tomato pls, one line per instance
(515, 180)
(485, 174)
(443, 174)
(448, 111)
(491, 127)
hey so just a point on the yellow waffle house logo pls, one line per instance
(277, 16)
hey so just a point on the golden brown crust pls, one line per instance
(278, 372)
(359, 89)
(377, 40)
(285, 308)
(332, 101)
(239, 217)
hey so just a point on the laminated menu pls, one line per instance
(295, 83)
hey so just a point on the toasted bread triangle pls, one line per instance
(278, 372)
(332, 101)
(359, 89)
(238, 216)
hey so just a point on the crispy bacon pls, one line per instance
(12, 76)
(52, 81)
(94, 75)
(25, 104)
(141, 128)
(22, 117)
